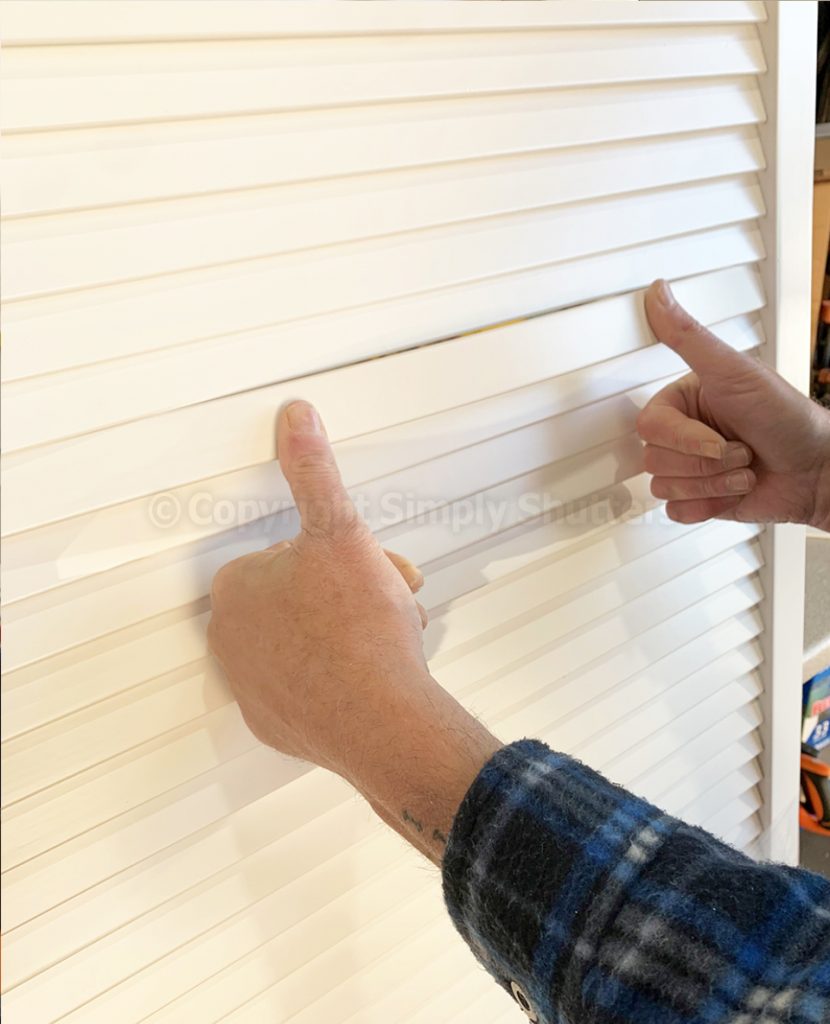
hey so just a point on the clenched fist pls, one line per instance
(321, 641)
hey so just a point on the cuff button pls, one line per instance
(524, 1002)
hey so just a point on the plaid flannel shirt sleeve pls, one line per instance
(591, 905)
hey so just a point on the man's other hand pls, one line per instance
(732, 439)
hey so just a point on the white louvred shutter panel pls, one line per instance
(434, 220)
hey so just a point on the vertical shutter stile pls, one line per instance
(435, 221)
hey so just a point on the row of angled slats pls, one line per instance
(374, 982)
(238, 431)
(724, 653)
(266, 222)
(187, 160)
(87, 22)
(49, 690)
(581, 689)
(168, 660)
(714, 724)
(372, 272)
(211, 906)
(62, 749)
(591, 445)
(573, 610)
(311, 74)
(199, 211)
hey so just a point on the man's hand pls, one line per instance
(732, 439)
(321, 640)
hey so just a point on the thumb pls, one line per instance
(695, 345)
(309, 466)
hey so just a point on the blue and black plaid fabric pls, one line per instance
(594, 906)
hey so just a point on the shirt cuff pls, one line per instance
(539, 857)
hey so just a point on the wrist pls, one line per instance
(418, 760)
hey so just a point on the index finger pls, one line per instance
(308, 464)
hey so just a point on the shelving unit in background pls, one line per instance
(821, 226)
(819, 386)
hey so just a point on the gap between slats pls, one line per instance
(34, 413)
(88, 607)
(36, 560)
(150, 315)
(121, 463)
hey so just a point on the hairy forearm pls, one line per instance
(416, 770)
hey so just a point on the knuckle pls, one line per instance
(711, 487)
(212, 634)
(216, 637)
(681, 512)
(348, 531)
(746, 375)
(684, 322)
(645, 422)
(221, 585)
(339, 545)
(309, 463)
(650, 459)
(227, 579)
(677, 441)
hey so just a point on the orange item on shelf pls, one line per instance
(814, 812)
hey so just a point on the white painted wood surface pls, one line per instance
(212, 208)
(789, 41)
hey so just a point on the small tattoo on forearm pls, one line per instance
(437, 835)
(407, 817)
